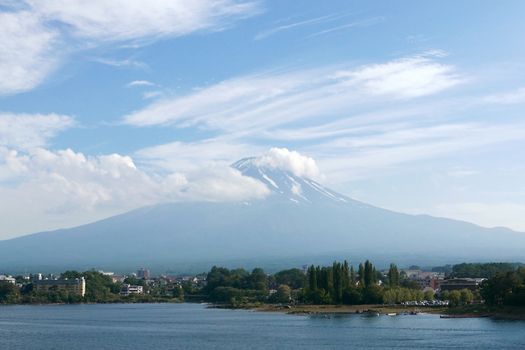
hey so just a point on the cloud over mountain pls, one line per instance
(292, 161)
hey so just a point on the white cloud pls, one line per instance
(292, 161)
(140, 83)
(288, 26)
(126, 63)
(134, 19)
(192, 156)
(405, 78)
(511, 97)
(23, 131)
(252, 103)
(220, 183)
(61, 188)
(152, 94)
(363, 156)
(33, 34)
(362, 23)
(28, 51)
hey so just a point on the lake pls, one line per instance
(193, 326)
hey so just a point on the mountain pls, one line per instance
(300, 222)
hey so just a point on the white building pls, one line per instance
(8, 279)
(128, 289)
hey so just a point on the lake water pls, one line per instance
(193, 326)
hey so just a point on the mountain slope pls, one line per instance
(300, 218)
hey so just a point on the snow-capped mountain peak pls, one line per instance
(288, 185)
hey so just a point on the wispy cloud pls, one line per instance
(356, 24)
(254, 103)
(152, 94)
(35, 35)
(140, 83)
(362, 156)
(510, 97)
(29, 51)
(24, 131)
(307, 22)
(126, 63)
(355, 120)
(134, 19)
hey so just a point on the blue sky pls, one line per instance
(413, 106)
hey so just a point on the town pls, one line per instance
(339, 284)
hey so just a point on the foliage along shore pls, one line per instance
(329, 289)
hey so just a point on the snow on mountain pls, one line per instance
(287, 185)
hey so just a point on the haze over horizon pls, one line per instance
(112, 106)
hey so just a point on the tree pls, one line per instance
(485, 270)
(352, 296)
(294, 278)
(346, 275)
(9, 293)
(71, 274)
(466, 296)
(505, 288)
(373, 294)
(283, 294)
(99, 287)
(312, 278)
(428, 295)
(225, 294)
(337, 271)
(454, 297)
(369, 274)
(393, 276)
(361, 273)
(258, 280)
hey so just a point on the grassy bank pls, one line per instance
(336, 309)
(514, 313)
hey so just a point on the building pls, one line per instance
(76, 286)
(425, 279)
(118, 278)
(7, 279)
(461, 283)
(143, 273)
(128, 289)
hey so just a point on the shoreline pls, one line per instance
(471, 311)
(342, 309)
(478, 311)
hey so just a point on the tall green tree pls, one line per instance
(352, 276)
(369, 274)
(361, 275)
(393, 276)
(312, 278)
(346, 275)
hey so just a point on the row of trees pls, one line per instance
(505, 288)
(235, 286)
(335, 284)
(482, 270)
(340, 284)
